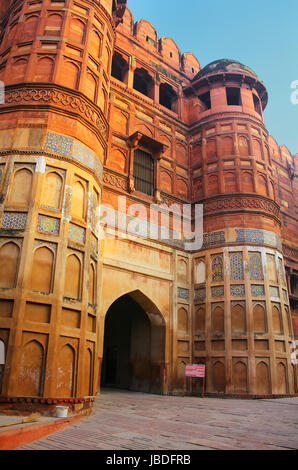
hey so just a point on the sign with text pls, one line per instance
(195, 370)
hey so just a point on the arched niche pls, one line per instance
(52, 191)
(183, 327)
(277, 320)
(243, 144)
(227, 146)
(70, 74)
(53, 25)
(247, 182)
(31, 369)
(230, 182)
(262, 378)
(21, 187)
(72, 286)
(217, 319)
(18, 70)
(259, 318)
(200, 320)
(240, 376)
(76, 32)
(44, 70)
(92, 284)
(281, 378)
(66, 372)
(218, 376)
(95, 42)
(9, 262)
(78, 200)
(42, 270)
(238, 318)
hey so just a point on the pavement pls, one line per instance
(136, 421)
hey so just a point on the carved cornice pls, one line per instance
(48, 96)
(239, 203)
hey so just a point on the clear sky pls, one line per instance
(262, 34)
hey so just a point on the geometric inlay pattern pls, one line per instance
(94, 246)
(183, 293)
(217, 291)
(274, 291)
(215, 238)
(14, 220)
(237, 291)
(236, 266)
(200, 294)
(48, 225)
(255, 267)
(257, 290)
(217, 268)
(71, 148)
(76, 233)
(281, 273)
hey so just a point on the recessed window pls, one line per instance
(167, 97)
(143, 82)
(171, 54)
(233, 96)
(119, 68)
(143, 172)
(205, 99)
(257, 104)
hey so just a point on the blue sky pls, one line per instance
(262, 34)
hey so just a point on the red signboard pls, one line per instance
(195, 370)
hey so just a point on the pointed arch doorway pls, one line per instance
(134, 345)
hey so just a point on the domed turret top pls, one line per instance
(224, 66)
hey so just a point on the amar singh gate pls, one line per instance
(96, 107)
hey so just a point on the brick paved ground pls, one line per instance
(126, 421)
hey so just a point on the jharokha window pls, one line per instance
(143, 172)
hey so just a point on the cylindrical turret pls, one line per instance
(55, 64)
(243, 327)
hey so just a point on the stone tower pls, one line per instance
(99, 107)
(55, 63)
(242, 319)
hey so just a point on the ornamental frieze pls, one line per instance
(247, 202)
(290, 252)
(115, 180)
(56, 95)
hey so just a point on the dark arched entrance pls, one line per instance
(134, 345)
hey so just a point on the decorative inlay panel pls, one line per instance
(14, 220)
(71, 148)
(255, 267)
(48, 225)
(236, 266)
(257, 290)
(217, 268)
(183, 293)
(217, 291)
(200, 294)
(237, 291)
(274, 291)
(94, 246)
(76, 233)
